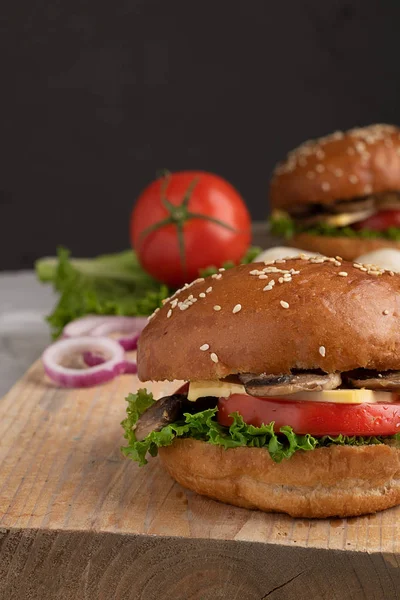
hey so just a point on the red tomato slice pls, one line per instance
(315, 418)
(380, 221)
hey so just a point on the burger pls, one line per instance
(291, 372)
(340, 194)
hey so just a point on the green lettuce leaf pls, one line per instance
(286, 227)
(107, 285)
(204, 426)
(111, 284)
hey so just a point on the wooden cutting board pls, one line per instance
(78, 521)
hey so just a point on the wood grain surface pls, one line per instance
(77, 520)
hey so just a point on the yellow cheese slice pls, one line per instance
(223, 389)
(345, 396)
(219, 389)
(343, 219)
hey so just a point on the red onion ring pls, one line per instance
(82, 326)
(101, 373)
(92, 360)
(97, 325)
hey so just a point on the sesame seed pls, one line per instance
(337, 263)
(374, 272)
(169, 313)
(268, 287)
(281, 280)
(343, 274)
(320, 168)
(391, 273)
(317, 260)
(254, 272)
(322, 350)
(284, 304)
(320, 154)
(360, 147)
(326, 186)
(190, 297)
(237, 308)
(353, 179)
(174, 302)
(217, 307)
(204, 347)
(216, 276)
(208, 290)
(202, 295)
(199, 280)
(221, 270)
(194, 300)
(338, 172)
(183, 306)
(385, 312)
(263, 276)
(214, 357)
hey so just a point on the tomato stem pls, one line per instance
(211, 219)
(189, 192)
(179, 215)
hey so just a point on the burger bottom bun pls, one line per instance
(347, 248)
(340, 481)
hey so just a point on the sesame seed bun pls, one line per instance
(348, 248)
(238, 321)
(338, 481)
(341, 166)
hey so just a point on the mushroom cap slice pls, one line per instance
(374, 380)
(282, 385)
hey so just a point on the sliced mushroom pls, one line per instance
(352, 206)
(388, 200)
(168, 410)
(374, 380)
(280, 385)
(341, 219)
(164, 411)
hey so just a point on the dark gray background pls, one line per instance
(96, 96)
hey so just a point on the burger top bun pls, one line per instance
(340, 166)
(320, 313)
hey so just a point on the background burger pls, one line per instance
(340, 194)
(291, 405)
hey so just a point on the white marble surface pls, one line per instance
(24, 333)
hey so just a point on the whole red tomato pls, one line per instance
(187, 221)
